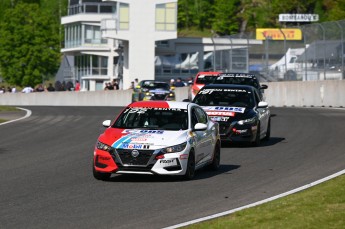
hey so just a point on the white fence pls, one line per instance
(326, 93)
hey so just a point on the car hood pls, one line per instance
(142, 138)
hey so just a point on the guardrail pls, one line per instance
(326, 93)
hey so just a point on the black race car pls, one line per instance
(239, 110)
(153, 90)
(241, 79)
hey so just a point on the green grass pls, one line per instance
(4, 109)
(7, 108)
(322, 206)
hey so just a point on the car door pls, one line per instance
(203, 138)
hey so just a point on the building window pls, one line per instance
(93, 35)
(124, 16)
(166, 17)
(90, 65)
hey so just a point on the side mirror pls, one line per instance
(106, 123)
(172, 88)
(200, 126)
(262, 104)
(263, 86)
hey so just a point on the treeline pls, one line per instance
(227, 17)
(31, 35)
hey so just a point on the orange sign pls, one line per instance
(278, 34)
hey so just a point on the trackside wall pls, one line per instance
(327, 93)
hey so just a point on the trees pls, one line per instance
(29, 45)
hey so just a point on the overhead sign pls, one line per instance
(298, 17)
(278, 34)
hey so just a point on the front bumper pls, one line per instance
(147, 162)
(238, 133)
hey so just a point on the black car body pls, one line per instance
(239, 110)
(153, 90)
(241, 79)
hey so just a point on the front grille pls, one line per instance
(159, 97)
(141, 160)
(135, 168)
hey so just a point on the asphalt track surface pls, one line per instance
(46, 178)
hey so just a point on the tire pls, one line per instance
(100, 176)
(257, 137)
(215, 164)
(268, 132)
(190, 172)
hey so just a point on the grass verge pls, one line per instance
(7, 108)
(4, 109)
(322, 206)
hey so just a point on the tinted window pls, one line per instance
(204, 79)
(225, 97)
(153, 118)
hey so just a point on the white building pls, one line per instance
(128, 39)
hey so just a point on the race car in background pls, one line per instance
(241, 79)
(239, 110)
(201, 79)
(157, 137)
(153, 90)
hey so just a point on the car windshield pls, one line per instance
(154, 85)
(205, 79)
(225, 97)
(153, 118)
(237, 80)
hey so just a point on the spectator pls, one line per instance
(77, 85)
(14, 89)
(172, 82)
(27, 89)
(136, 81)
(39, 88)
(116, 84)
(2, 90)
(179, 83)
(132, 85)
(69, 86)
(50, 88)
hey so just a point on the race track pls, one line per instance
(46, 178)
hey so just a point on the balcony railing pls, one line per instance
(95, 8)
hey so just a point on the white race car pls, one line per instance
(157, 137)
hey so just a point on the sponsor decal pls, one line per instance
(229, 109)
(219, 118)
(234, 75)
(132, 131)
(139, 139)
(167, 161)
(220, 113)
(134, 146)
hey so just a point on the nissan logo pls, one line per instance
(135, 153)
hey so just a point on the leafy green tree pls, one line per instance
(226, 21)
(29, 45)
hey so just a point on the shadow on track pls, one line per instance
(271, 142)
(199, 175)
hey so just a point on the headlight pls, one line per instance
(147, 93)
(175, 148)
(102, 146)
(171, 94)
(247, 121)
